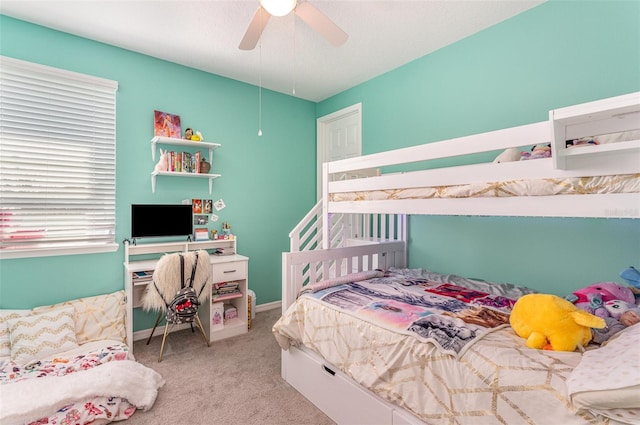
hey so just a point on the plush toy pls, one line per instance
(509, 155)
(617, 308)
(632, 276)
(538, 151)
(550, 322)
(593, 297)
(163, 162)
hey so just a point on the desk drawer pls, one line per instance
(234, 270)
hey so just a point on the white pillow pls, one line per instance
(39, 335)
(5, 341)
(96, 318)
(607, 377)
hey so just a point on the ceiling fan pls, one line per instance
(305, 10)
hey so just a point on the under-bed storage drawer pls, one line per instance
(331, 391)
(403, 418)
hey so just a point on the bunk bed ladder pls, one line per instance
(345, 230)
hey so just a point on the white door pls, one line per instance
(339, 137)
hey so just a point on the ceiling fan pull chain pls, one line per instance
(294, 55)
(260, 89)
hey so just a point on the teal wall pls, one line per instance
(557, 54)
(263, 201)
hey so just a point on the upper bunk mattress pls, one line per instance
(625, 183)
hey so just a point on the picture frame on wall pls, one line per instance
(166, 125)
(196, 206)
(200, 219)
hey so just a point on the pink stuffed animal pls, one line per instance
(163, 163)
(593, 298)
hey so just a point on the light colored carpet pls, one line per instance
(235, 381)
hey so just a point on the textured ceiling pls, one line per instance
(205, 34)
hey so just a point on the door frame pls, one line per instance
(321, 137)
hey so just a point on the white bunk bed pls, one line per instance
(343, 384)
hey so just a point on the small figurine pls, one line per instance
(226, 230)
(163, 162)
(188, 133)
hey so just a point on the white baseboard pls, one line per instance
(144, 333)
(268, 306)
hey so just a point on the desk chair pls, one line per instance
(168, 279)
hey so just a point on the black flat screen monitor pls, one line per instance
(157, 220)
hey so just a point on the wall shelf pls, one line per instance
(154, 174)
(160, 140)
(181, 142)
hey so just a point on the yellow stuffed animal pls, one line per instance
(550, 322)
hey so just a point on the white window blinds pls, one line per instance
(57, 161)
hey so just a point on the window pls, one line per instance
(57, 161)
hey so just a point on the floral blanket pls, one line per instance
(450, 316)
(84, 412)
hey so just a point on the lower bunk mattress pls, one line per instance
(439, 347)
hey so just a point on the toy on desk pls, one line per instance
(226, 230)
(553, 323)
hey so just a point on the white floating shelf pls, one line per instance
(182, 142)
(180, 174)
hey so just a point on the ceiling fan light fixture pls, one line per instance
(278, 7)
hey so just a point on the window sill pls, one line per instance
(50, 252)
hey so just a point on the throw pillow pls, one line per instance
(39, 335)
(5, 341)
(96, 318)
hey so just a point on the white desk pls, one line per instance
(224, 268)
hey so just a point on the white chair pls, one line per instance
(168, 278)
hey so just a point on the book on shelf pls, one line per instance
(142, 275)
(225, 289)
(186, 162)
(196, 162)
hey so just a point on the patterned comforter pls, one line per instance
(494, 379)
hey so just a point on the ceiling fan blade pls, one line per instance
(319, 22)
(254, 31)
